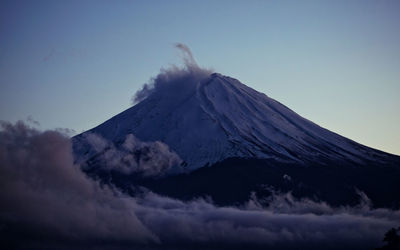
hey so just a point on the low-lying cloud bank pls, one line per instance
(174, 76)
(44, 196)
(47, 201)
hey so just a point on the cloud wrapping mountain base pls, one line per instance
(148, 159)
(47, 201)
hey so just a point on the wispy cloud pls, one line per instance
(191, 73)
(70, 53)
(186, 55)
(49, 56)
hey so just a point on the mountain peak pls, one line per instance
(215, 74)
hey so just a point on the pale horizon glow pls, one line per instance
(75, 64)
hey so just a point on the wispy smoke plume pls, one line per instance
(186, 55)
(174, 76)
(46, 201)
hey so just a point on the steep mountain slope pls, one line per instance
(208, 119)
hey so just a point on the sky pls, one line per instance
(75, 64)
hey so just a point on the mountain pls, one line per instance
(218, 118)
(249, 139)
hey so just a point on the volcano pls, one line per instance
(223, 130)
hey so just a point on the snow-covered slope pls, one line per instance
(208, 120)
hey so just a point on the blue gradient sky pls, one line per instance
(75, 64)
